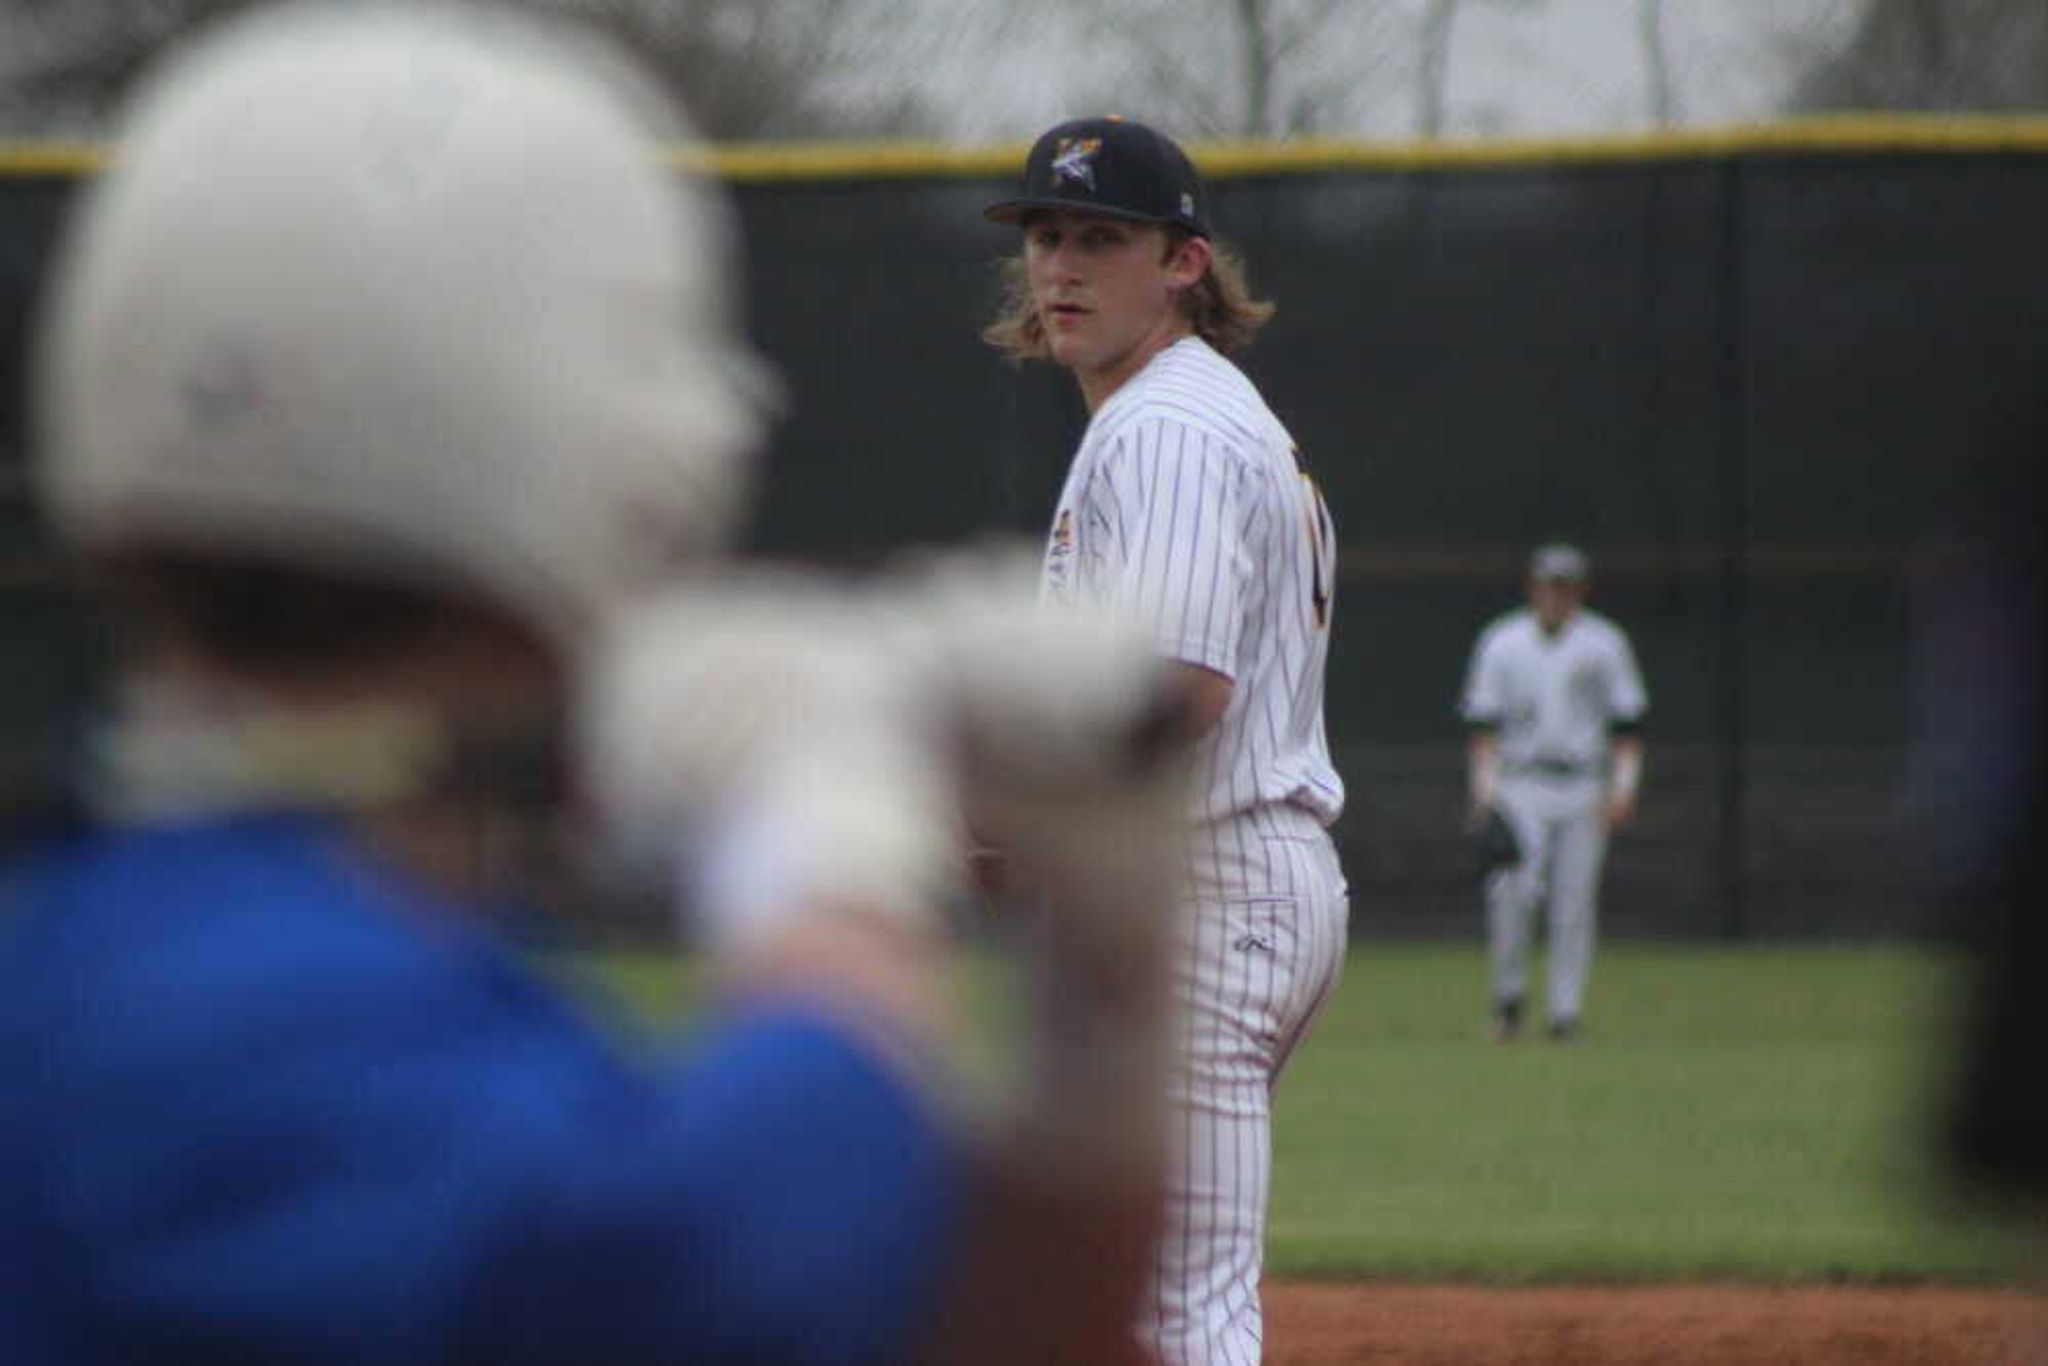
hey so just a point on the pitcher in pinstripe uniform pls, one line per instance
(1188, 503)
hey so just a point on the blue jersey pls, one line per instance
(267, 1101)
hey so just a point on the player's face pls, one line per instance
(1554, 600)
(1105, 291)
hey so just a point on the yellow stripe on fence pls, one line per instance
(761, 163)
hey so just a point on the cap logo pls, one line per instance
(1187, 205)
(1074, 159)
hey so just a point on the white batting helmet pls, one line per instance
(404, 293)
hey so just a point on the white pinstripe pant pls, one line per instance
(1264, 939)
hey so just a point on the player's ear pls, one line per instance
(1187, 258)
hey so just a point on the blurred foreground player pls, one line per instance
(386, 377)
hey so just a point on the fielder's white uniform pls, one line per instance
(1554, 700)
(1187, 503)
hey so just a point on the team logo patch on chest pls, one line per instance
(1059, 555)
(1074, 159)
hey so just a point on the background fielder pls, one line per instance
(1187, 502)
(1551, 697)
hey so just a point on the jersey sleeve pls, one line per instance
(1169, 518)
(1483, 702)
(1627, 699)
(327, 1143)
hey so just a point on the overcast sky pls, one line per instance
(1577, 66)
(996, 70)
(1518, 67)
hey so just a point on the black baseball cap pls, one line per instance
(1110, 166)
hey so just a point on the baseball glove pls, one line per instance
(1494, 845)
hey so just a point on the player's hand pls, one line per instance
(1620, 809)
(750, 731)
(1062, 695)
(1495, 845)
(797, 741)
(1066, 729)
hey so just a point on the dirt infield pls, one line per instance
(1317, 1324)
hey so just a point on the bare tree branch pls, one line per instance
(1235, 68)
(745, 69)
(1255, 51)
(1433, 66)
(1661, 95)
(1937, 55)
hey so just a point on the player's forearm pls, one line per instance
(1482, 767)
(883, 981)
(1065, 1217)
(1625, 777)
(1051, 1270)
(1206, 697)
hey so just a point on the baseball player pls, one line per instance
(386, 389)
(1554, 705)
(1188, 504)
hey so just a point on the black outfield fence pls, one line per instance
(1758, 375)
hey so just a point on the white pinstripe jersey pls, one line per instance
(1187, 504)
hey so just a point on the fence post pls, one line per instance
(1732, 721)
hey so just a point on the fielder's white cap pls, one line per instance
(1559, 561)
(404, 293)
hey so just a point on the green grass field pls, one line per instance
(1757, 1113)
(1762, 1112)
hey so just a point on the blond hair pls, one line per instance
(1219, 307)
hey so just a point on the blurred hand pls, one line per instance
(1621, 809)
(751, 734)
